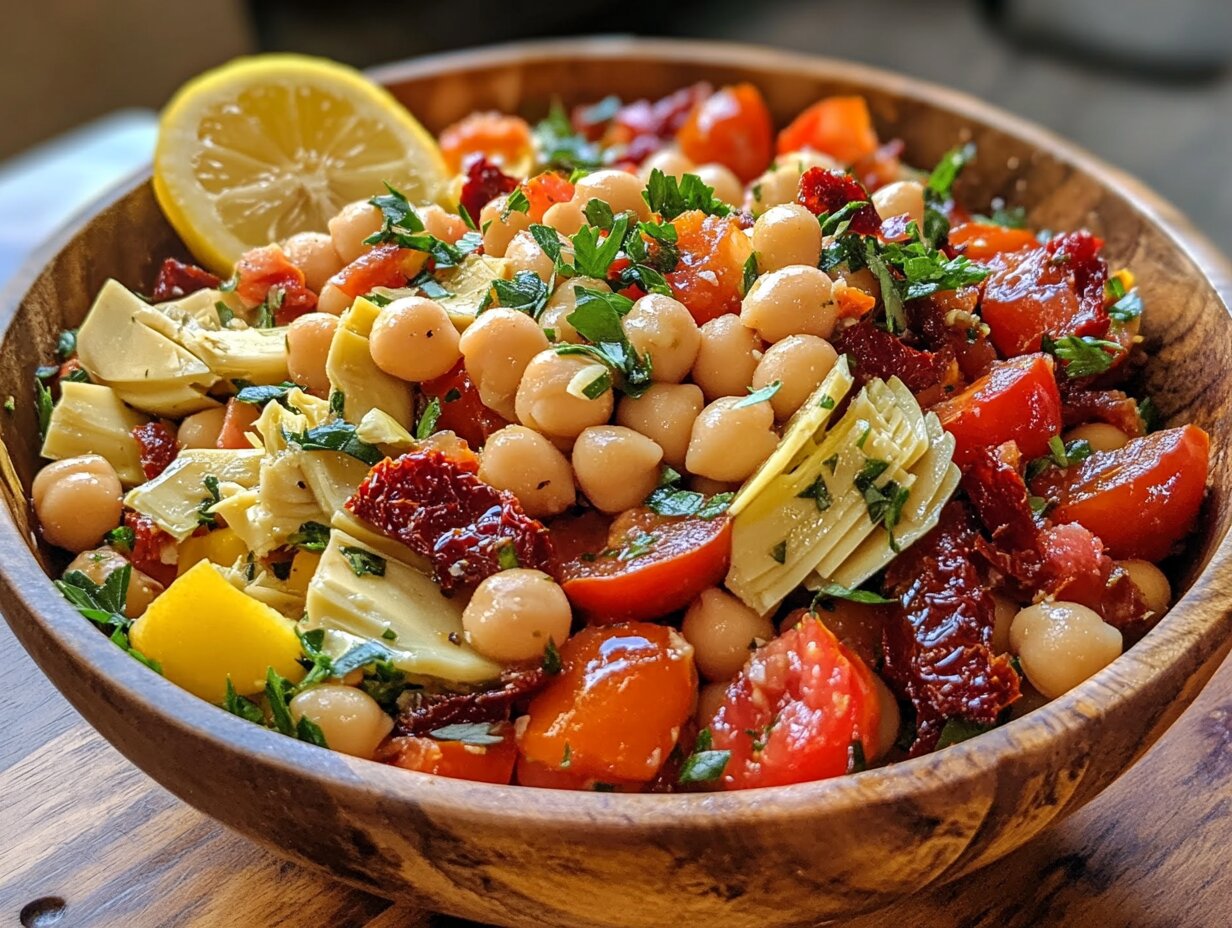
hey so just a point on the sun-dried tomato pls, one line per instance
(947, 320)
(938, 643)
(1080, 405)
(266, 275)
(1079, 253)
(176, 279)
(825, 191)
(150, 543)
(439, 508)
(157, 446)
(430, 711)
(878, 353)
(485, 181)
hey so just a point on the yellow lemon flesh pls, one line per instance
(264, 147)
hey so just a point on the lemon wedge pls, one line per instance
(264, 147)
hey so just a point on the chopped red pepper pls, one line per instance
(157, 446)
(176, 279)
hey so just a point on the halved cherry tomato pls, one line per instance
(1016, 401)
(544, 191)
(261, 270)
(795, 710)
(653, 566)
(615, 710)
(731, 127)
(1029, 294)
(980, 241)
(837, 126)
(497, 136)
(484, 763)
(237, 422)
(1140, 499)
(578, 535)
(384, 266)
(710, 274)
(462, 411)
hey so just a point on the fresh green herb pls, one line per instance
(1083, 356)
(549, 243)
(362, 561)
(467, 218)
(526, 293)
(269, 306)
(225, 313)
(939, 190)
(1008, 217)
(779, 552)
(477, 733)
(638, 545)
(1038, 504)
(885, 503)
(389, 635)
(670, 197)
(826, 402)
(926, 271)
(361, 656)
(1114, 289)
(1127, 308)
(402, 226)
(122, 538)
(838, 222)
(319, 665)
(1066, 453)
(10, 403)
(818, 492)
(759, 396)
(955, 731)
(561, 146)
(566, 758)
(44, 405)
(552, 664)
(308, 730)
(597, 387)
(278, 693)
(749, 276)
(260, 395)
(66, 344)
(241, 706)
(599, 213)
(204, 516)
(378, 299)
(507, 557)
(838, 591)
(78, 375)
(385, 683)
(891, 297)
(705, 764)
(334, 436)
(716, 506)
(594, 253)
(428, 285)
(516, 202)
(1148, 412)
(669, 499)
(104, 606)
(427, 421)
(597, 319)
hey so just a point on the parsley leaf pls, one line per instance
(260, 395)
(225, 313)
(66, 344)
(885, 503)
(362, 561)
(749, 274)
(402, 226)
(669, 499)
(337, 404)
(637, 546)
(526, 293)
(759, 396)
(362, 655)
(44, 405)
(334, 436)
(705, 764)
(670, 197)
(1083, 356)
(204, 516)
(516, 202)
(426, 283)
(311, 536)
(122, 538)
(597, 319)
(552, 664)
(779, 552)
(838, 591)
(818, 492)
(477, 733)
(1127, 308)
(939, 190)
(591, 256)
(427, 421)
(243, 707)
(561, 147)
(507, 557)
(958, 730)
(104, 606)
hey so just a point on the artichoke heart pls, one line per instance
(180, 496)
(354, 374)
(91, 419)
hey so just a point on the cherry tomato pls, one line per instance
(497, 136)
(1140, 499)
(262, 270)
(837, 126)
(731, 127)
(237, 422)
(575, 535)
(1016, 401)
(615, 710)
(544, 191)
(485, 763)
(462, 411)
(709, 278)
(794, 712)
(653, 565)
(980, 241)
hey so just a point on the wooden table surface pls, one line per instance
(86, 839)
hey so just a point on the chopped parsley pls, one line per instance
(884, 503)
(779, 552)
(104, 606)
(749, 275)
(260, 395)
(334, 436)
(705, 764)
(427, 284)
(552, 664)
(669, 499)
(362, 561)
(476, 733)
(427, 421)
(527, 293)
(389, 635)
(204, 516)
(507, 557)
(242, 706)
(225, 315)
(597, 319)
(1083, 356)
(561, 146)
(269, 306)
(818, 492)
(956, 731)
(43, 405)
(939, 190)
(594, 252)
(337, 404)
(637, 546)
(838, 591)
(311, 536)
(670, 197)
(402, 226)
(759, 396)
(1127, 308)
(66, 344)
(122, 538)
(516, 202)
(361, 656)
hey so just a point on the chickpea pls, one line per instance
(351, 720)
(1151, 583)
(729, 441)
(565, 218)
(671, 161)
(315, 255)
(722, 631)
(709, 698)
(902, 196)
(351, 226)
(77, 501)
(334, 300)
(785, 235)
(621, 191)
(555, 315)
(662, 328)
(201, 429)
(795, 300)
(1061, 644)
(665, 414)
(891, 720)
(726, 184)
(414, 339)
(616, 467)
(530, 467)
(496, 349)
(100, 563)
(499, 230)
(799, 363)
(447, 226)
(308, 341)
(524, 254)
(544, 403)
(515, 613)
(727, 358)
(1099, 435)
(1004, 610)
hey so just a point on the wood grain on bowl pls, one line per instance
(786, 856)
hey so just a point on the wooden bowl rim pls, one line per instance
(1193, 628)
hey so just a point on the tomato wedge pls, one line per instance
(614, 712)
(384, 266)
(709, 276)
(794, 712)
(1017, 400)
(460, 760)
(1029, 294)
(732, 127)
(838, 126)
(980, 241)
(653, 565)
(1140, 499)
(462, 411)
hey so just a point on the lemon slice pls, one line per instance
(267, 146)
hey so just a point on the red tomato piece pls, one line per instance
(980, 241)
(544, 191)
(793, 713)
(262, 272)
(176, 279)
(384, 266)
(1017, 401)
(731, 127)
(150, 546)
(710, 274)
(237, 422)
(823, 191)
(484, 763)
(615, 710)
(462, 411)
(838, 126)
(485, 181)
(157, 446)
(497, 136)
(1140, 499)
(653, 566)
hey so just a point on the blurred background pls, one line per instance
(1146, 84)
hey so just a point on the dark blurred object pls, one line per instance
(1184, 37)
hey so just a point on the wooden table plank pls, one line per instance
(81, 824)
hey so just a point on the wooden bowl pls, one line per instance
(771, 857)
